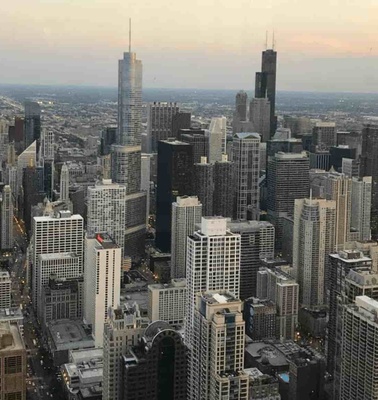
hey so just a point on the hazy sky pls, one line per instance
(326, 45)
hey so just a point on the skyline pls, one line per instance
(209, 45)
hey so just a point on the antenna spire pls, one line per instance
(273, 42)
(129, 35)
(266, 40)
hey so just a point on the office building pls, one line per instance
(256, 242)
(313, 241)
(324, 135)
(126, 167)
(262, 386)
(203, 185)
(358, 376)
(212, 263)
(32, 121)
(291, 145)
(199, 142)
(13, 361)
(159, 123)
(5, 290)
(28, 158)
(350, 167)
(64, 183)
(102, 277)
(57, 242)
(123, 329)
(241, 101)
(186, 214)
(260, 319)
(224, 187)
(174, 177)
(166, 302)
(108, 138)
(130, 72)
(265, 84)
(47, 152)
(361, 207)
(156, 368)
(217, 138)
(7, 216)
(320, 159)
(180, 120)
(287, 180)
(246, 157)
(106, 210)
(259, 116)
(339, 152)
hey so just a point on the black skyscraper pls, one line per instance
(108, 137)
(32, 122)
(180, 120)
(174, 177)
(265, 85)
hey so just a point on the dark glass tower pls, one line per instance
(265, 85)
(174, 173)
(32, 122)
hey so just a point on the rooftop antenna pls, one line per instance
(266, 40)
(129, 35)
(273, 42)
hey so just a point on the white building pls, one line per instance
(186, 214)
(361, 207)
(246, 156)
(313, 240)
(6, 218)
(64, 183)
(28, 158)
(106, 210)
(123, 329)
(5, 290)
(166, 302)
(56, 234)
(102, 282)
(217, 138)
(218, 348)
(47, 145)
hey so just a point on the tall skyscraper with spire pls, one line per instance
(64, 183)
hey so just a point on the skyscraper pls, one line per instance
(324, 135)
(259, 116)
(287, 180)
(199, 142)
(180, 120)
(369, 167)
(102, 280)
(265, 84)
(224, 187)
(159, 123)
(361, 207)
(313, 241)
(6, 218)
(130, 72)
(174, 178)
(246, 157)
(47, 145)
(217, 142)
(241, 106)
(32, 123)
(203, 185)
(186, 214)
(218, 348)
(106, 210)
(64, 183)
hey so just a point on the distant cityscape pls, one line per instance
(177, 244)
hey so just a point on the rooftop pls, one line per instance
(68, 334)
(10, 337)
(221, 297)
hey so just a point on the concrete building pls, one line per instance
(259, 116)
(224, 187)
(246, 157)
(358, 377)
(7, 216)
(64, 183)
(216, 365)
(324, 135)
(361, 207)
(13, 362)
(241, 102)
(102, 279)
(262, 386)
(217, 138)
(159, 123)
(47, 152)
(57, 241)
(166, 302)
(313, 241)
(123, 329)
(106, 210)
(156, 368)
(5, 290)
(186, 214)
(260, 319)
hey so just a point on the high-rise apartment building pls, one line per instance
(186, 214)
(287, 180)
(174, 177)
(106, 210)
(259, 116)
(126, 167)
(32, 123)
(64, 183)
(265, 84)
(47, 145)
(361, 207)
(13, 361)
(102, 280)
(260, 319)
(5, 290)
(159, 123)
(313, 240)
(203, 185)
(156, 368)
(217, 138)
(255, 244)
(358, 375)
(6, 218)
(324, 135)
(217, 359)
(212, 263)
(246, 157)
(57, 242)
(369, 167)
(123, 329)
(224, 187)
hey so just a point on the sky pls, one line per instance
(322, 45)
